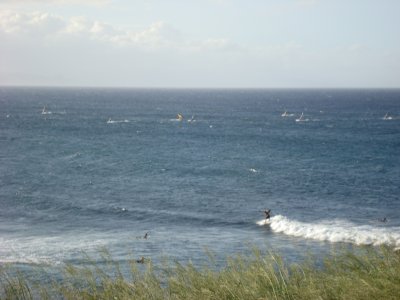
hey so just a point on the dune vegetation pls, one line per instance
(367, 273)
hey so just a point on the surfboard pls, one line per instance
(264, 222)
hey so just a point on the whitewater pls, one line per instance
(336, 231)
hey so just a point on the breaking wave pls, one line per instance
(336, 231)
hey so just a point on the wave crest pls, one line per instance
(336, 231)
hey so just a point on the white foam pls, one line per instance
(117, 121)
(48, 249)
(264, 222)
(336, 231)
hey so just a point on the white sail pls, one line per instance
(45, 112)
(387, 117)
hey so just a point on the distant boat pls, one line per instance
(179, 117)
(285, 114)
(45, 112)
(301, 118)
(387, 117)
(118, 121)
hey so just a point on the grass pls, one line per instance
(367, 274)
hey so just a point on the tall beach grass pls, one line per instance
(367, 273)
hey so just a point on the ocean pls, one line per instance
(85, 169)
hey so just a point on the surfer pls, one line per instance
(146, 236)
(140, 261)
(267, 214)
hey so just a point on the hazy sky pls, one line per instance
(204, 43)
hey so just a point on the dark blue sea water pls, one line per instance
(82, 169)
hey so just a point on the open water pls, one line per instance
(82, 169)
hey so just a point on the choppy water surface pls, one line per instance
(82, 169)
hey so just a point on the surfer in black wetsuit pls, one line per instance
(140, 261)
(267, 214)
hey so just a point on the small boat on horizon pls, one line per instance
(118, 121)
(387, 117)
(179, 117)
(285, 114)
(45, 112)
(301, 118)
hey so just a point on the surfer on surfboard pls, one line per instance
(267, 213)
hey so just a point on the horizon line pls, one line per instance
(194, 87)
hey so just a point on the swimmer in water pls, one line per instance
(141, 260)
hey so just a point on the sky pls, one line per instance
(200, 44)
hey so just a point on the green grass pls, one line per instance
(369, 273)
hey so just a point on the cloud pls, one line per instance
(40, 48)
(158, 35)
(32, 23)
(46, 49)
(49, 26)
